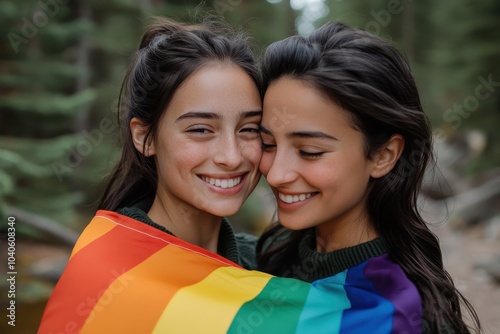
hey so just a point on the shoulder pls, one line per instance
(140, 215)
(245, 239)
(246, 248)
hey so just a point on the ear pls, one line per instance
(139, 131)
(386, 158)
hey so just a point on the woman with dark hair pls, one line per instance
(190, 114)
(191, 108)
(345, 146)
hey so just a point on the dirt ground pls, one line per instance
(462, 252)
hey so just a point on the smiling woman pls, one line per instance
(192, 106)
(347, 203)
(298, 160)
(206, 151)
(191, 150)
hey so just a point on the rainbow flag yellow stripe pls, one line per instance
(127, 277)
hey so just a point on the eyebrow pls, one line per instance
(302, 134)
(199, 114)
(212, 115)
(310, 134)
(253, 113)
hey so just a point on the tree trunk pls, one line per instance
(83, 65)
(408, 30)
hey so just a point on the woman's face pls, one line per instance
(313, 158)
(208, 146)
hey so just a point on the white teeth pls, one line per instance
(293, 198)
(223, 183)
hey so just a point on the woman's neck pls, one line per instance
(344, 232)
(186, 222)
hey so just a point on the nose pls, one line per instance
(228, 152)
(277, 169)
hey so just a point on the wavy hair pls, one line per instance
(373, 82)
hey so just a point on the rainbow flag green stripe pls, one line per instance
(127, 277)
(278, 307)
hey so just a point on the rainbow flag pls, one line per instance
(127, 277)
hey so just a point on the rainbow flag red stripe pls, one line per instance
(127, 277)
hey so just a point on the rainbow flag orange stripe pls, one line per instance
(127, 277)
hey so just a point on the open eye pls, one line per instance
(251, 129)
(200, 130)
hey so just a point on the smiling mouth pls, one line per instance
(222, 183)
(295, 198)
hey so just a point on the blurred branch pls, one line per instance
(470, 199)
(46, 225)
(472, 204)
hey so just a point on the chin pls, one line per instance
(224, 210)
(224, 213)
(292, 227)
(293, 224)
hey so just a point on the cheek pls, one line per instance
(340, 173)
(318, 175)
(182, 156)
(252, 152)
(266, 162)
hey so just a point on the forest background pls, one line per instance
(62, 63)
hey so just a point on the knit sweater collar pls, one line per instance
(226, 247)
(313, 265)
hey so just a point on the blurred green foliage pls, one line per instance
(62, 62)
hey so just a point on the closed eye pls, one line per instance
(311, 154)
(267, 147)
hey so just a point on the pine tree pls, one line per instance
(467, 76)
(40, 101)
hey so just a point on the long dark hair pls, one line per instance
(168, 54)
(370, 79)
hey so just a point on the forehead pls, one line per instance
(293, 104)
(220, 88)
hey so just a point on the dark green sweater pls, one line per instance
(237, 247)
(313, 265)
